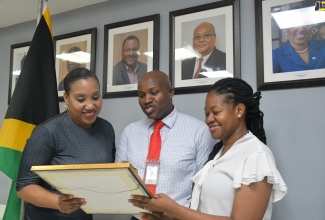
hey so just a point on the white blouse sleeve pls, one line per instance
(257, 166)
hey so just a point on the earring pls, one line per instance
(66, 107)
(239, 116)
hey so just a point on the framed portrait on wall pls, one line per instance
(290, 52)
(205, 45)
(131, 49)
(73, 50)
(18, 54)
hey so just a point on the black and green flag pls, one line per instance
(35, 99)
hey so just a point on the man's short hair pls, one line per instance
(131, 37)
(74, 49)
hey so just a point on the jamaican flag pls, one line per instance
(35, 99)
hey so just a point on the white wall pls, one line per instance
(294, 118)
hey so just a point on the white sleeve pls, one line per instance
(257, 166)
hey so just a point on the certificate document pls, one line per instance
(106, 187)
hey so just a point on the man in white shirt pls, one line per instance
(185, 141)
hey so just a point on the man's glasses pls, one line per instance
(205, 36)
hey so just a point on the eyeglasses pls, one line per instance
(205, 36)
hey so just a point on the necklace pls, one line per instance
(302, 51)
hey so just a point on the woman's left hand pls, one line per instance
(68, 203)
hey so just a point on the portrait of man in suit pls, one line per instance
(209, 59)
(129, 70)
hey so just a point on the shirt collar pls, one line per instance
(205, 57)
(135, 69)
(169, 120)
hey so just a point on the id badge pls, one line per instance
(151, 172)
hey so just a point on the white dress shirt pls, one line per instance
(186, 144)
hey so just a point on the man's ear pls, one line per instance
(171, 92)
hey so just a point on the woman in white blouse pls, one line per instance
(241, 180)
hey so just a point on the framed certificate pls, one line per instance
(106, 187)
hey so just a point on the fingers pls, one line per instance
(139, 201)
(124, 161)
(68, 198)
(139, 204)
(154, 215)
(157, 196)
(148, 216)
(68, 204)
(68, 210)
(160, 215)
(64, 197)
(140, 198)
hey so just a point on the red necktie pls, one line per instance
(199, 67)
(155, 146)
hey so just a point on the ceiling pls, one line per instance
(18, 11)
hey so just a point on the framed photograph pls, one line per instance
(107, 187)
(73, 50)
(204, 45)
(131, 49)
(18, 54)
(290, 52)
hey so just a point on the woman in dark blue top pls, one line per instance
(299, 53)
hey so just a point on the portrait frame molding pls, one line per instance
(86, 39)
(266, 79)
(114, 34)
(16, 50)
(230, 9)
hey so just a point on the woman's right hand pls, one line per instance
(68, 203)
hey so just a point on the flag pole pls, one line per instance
(40, 9)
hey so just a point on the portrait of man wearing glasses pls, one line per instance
(209, 59)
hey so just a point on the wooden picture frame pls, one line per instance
(18, 53)
(82, 46)
(136, 40)
(279, 66)
(105, 187)
(223, 61)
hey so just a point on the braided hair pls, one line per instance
(238, 91)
